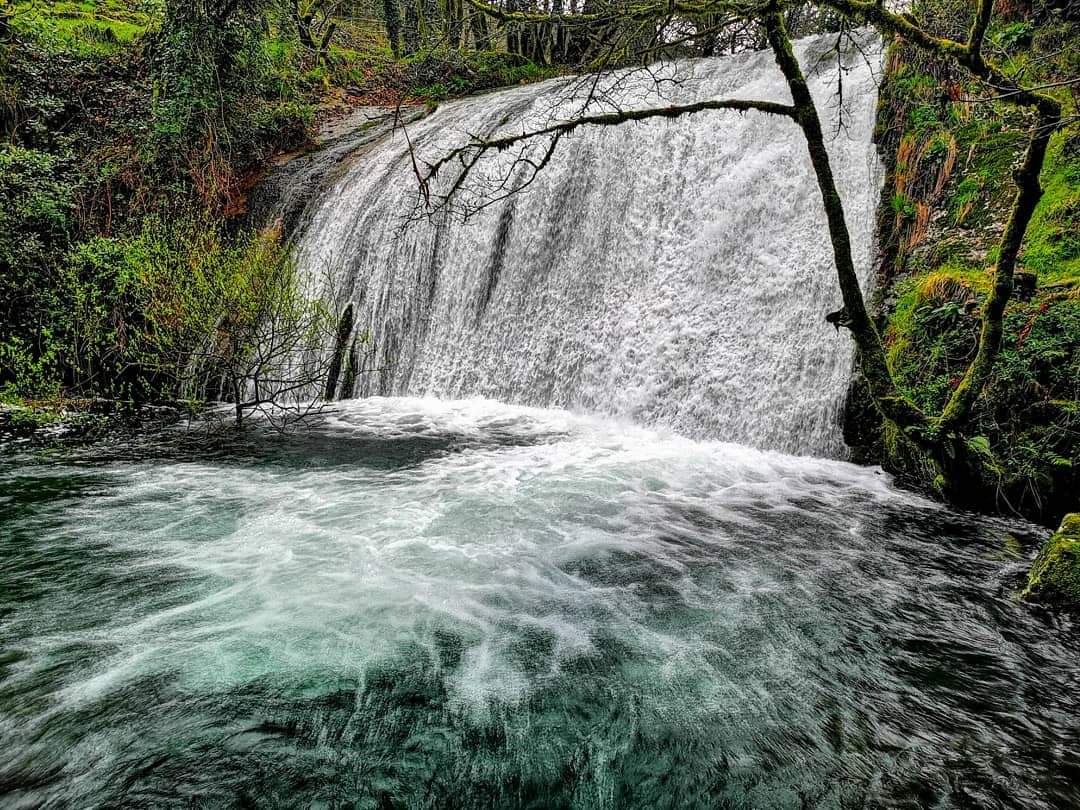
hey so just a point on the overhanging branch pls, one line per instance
(969, 55)
(467, 156)
(631, 13)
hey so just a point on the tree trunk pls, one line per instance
(304, 21)
(238, 402)
(854, 316)
(393, 26)
(324, 43)
(341, 340)
(410, 31)
(481, 33)
(454, 16)
(431, 27)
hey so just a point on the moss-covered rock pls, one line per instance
(1055, 576)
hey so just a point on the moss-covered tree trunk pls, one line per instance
(893, 405)
(392, 20)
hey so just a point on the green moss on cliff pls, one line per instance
(948, 192)
(87, 27)
(1055, 576)
(1052, 247)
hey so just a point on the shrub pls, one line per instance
(35, 211)
(181, 311)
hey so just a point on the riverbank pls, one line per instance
(948, 189)
(65, 423)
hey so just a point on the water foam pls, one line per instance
(433, 601)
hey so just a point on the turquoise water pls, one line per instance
(467, 604)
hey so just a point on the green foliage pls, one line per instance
(1025, 424)
(1052, 244)
(35, 205)
(26, 373)
(1014, 34)
(953, 189)
(963, 200)
(438, 75)
(87, 28)
(35, 212)
(101, 301)
(201, 86)
(284, 124)
(903, 205)
(163, 313)
(924, 119)
(985, 180)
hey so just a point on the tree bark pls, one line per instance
(304, 21)
(392, 19)
(892, 404)
(238, 402)
(410, 31)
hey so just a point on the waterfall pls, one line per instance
(675, 273)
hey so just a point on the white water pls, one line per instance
(329, 559)
(422, 603)
(675, 273)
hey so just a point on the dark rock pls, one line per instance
(1024, 285)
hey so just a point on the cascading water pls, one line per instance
(674, 272)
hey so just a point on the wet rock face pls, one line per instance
(1055, 576)
(284, 194)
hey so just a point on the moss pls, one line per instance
(88, 28)
(949, 189)
(1023, 425)
(932, 330)
(1052, 246)
(987, 149)
(924, 119)
(1055, 576)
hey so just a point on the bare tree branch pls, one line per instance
(467, 156)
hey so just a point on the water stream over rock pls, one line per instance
(673, 272)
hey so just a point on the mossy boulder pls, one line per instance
(1055, 576)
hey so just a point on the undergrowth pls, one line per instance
(950, 189)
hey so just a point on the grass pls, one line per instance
(86, 28)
